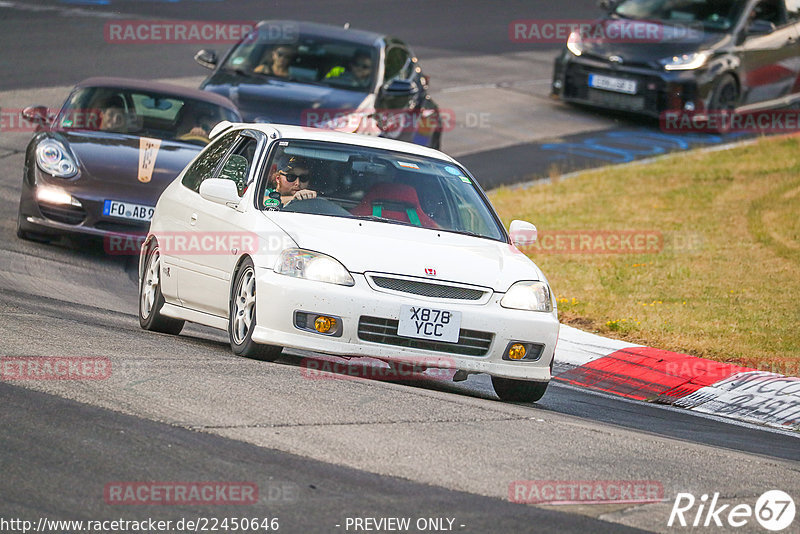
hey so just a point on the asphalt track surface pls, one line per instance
(184, 409)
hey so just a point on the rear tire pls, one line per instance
(510, 390)
(242, 317)
(151, 300)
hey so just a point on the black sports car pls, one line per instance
(317, 75)
(693, 56)
(101, 163)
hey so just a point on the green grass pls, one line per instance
(725, 284)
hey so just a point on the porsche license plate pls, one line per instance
(126, 210)
(429, 323)
(609, 83)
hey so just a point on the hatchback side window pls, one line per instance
(204, 166)
(396, 60)
(239, 162)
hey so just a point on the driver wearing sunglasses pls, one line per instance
(291, 179)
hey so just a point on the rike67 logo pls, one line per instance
(774, 511)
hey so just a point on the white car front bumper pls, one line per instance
(278, 297)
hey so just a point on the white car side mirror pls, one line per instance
(522, 233)
(220, 191)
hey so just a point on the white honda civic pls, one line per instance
(351, 246)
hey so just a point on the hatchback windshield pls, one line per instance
(719, 15)
(142, 113)
(308, 59)
(391, 187)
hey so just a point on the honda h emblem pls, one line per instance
(430, 272)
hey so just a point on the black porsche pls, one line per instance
(99, 165)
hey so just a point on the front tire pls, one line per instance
(510, 390)
(242, 317)
(151, 300)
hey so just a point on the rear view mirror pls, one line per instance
(206, 58)
(522, 233)
(400, 88)
(220, 191)
(36, 114)
(760, 27)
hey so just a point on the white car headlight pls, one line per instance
(533, 296)
(53, 158)
(310, 265)
(691, 61)
(575, 43)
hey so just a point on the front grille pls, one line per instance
(652, 94)
(384, 331)
(426, 289)
(63, 214)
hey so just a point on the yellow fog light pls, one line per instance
(516, 351)
(324, 324)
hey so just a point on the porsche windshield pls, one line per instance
(141, 113)
(308, 59)
(714, 15)
(392, 187)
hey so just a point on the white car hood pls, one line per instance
(370, 246)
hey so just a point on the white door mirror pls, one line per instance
(522, 233)
(220, 191)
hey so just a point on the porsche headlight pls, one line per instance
(310, 265)
(691, 61)
(53, 158)
(575, 43)
(533, 296)
(53, 195)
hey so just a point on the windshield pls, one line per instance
(715, 15)
(308, 59)
(380, 185)
(142, 113)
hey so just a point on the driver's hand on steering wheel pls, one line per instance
(304, 194)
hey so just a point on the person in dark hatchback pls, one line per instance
(278, 62)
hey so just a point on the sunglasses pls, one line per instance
(283, 54)
(363, 65)
(291, 177)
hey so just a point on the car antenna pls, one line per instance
(346, 25)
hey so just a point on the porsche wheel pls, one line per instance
(510, 390)
(242, 317)
(151, 300)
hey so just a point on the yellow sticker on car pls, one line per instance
(148, 150)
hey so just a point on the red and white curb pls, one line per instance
(660, 376)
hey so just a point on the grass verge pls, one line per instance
(717, 272)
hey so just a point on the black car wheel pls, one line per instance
(151, 300)
(242, 316)
(510, 390)
(725, 96)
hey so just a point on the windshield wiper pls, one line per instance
(382, 219)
